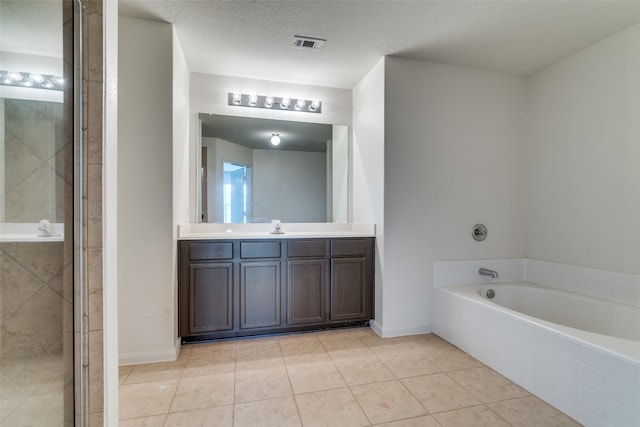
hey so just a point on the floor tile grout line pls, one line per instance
(235, 376)
(499, 416)
(295, 401)
(476, 397)
(175, 392)
(360, 406)
(341, 376)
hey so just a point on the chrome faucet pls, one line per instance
(486, 272)
(277, 227)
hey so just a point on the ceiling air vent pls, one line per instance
(303, 42)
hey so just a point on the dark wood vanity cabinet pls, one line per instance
(307, 286)
(211, 297)
(249, 287)
(260, 304)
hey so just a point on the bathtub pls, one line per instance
(602, 318)
(580, 354)
(28, 232)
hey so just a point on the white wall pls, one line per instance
(181, 147)
(453, 157)
(110, 213)
(146, 283)
(289, 186)
(181, 155)
(209, 95)
(583, 156)
(367, 168)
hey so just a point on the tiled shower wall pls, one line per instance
(31, 302)
(35, 323)
(35, 150)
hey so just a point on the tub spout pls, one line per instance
(486, 272)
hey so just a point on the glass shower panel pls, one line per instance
(36, 213)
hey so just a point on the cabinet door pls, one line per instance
(210, 297)
(260, 294)
(349, 289)
(306, 291)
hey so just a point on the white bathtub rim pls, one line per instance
(626, 349)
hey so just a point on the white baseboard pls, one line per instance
(376, 326)
(136, 358)
(399, 332)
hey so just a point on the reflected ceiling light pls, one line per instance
(270, 101)
(275, 139)
(31, 80)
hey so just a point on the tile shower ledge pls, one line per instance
(202, 231)
(28, 232)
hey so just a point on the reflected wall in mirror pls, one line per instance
(245, 178)
(32, 161)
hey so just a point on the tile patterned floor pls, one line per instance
(348, 377)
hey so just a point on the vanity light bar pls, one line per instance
(274, 102)
(31, 80)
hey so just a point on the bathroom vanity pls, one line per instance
(262, 284)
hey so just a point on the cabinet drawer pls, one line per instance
(260, 249)
(306, 248)
(210, 250)
(349, 247)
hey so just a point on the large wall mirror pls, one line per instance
(245, 177)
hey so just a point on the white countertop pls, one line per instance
(204, 231)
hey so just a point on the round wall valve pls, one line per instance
(479, 232)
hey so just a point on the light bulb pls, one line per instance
(268, 101)
(36, 78)
(314, 105)
(253, 100)
(284, 103)
(300, 104)
(275, 139)
(15, 76)
(237, 98)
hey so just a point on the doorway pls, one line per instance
(236, 192)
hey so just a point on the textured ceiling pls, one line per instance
(253, 38)
(256, 133)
